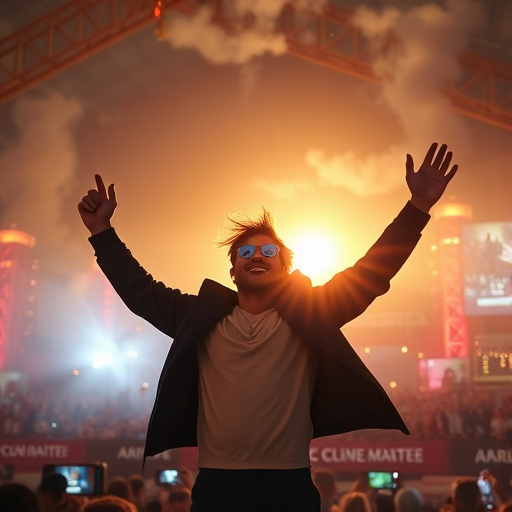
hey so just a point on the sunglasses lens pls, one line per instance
(269, 250)
(246, 251)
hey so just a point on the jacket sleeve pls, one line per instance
(161, 306)
(351, 291)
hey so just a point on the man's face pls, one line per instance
(257, 272)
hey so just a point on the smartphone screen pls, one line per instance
(382, 479)
(486, 492)
(83, 479)
(168, 476)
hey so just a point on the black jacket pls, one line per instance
(346, 395)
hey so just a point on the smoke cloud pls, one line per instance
(38, 168)
(413, 72)
(376, 174)
(253, 30)
(430, 40)
(217, 46)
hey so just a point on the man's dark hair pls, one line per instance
(240, 229)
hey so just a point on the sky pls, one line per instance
(200, 124)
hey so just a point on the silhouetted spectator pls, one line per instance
(138, 492)
(108, 504)
(354, 501)
(383, 502)
(154, 505)
(325, 482)
(361, 484)
(119, 487)
(54, 497)
(178, 500)
(409, 499)
(465, 496)
(16, 497)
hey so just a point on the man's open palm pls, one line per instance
(428, 184)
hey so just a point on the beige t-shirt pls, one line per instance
(254, 394)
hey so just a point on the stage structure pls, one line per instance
(450, 218)
(17, 295)
(82, 28)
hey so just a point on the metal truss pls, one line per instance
(455, 330)
(81, 28)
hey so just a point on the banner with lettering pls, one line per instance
(470, 457)
(412, 457)
(124, 458)
(32, 455)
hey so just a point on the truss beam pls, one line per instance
(82, 28)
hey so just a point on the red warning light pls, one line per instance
(158, 9)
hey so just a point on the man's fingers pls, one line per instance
(452, 172)
(102, 189)
(409, 164)
(94, 198)
(440, 156)
(101, 186)
(430, 154)
(83, 206)
(446, 162)
(87, 203)
(112, 193)
(441, 160)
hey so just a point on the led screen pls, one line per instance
(487, 258)
(443, 374)
(492, 357)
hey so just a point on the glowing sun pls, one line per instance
(315, 256)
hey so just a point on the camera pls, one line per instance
(383, 480)
(83, 479)
(167, 477)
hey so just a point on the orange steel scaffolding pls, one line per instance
(81, 28)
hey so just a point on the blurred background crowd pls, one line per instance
(464, 412)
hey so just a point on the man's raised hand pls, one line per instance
(428, 184)
(97, 207)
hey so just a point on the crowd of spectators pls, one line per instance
(51, 412)
(468, 413)
(120, 495)
(463, 495)
(465, 412)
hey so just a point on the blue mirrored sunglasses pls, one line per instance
(267, 250)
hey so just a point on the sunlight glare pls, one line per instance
(315, 256)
